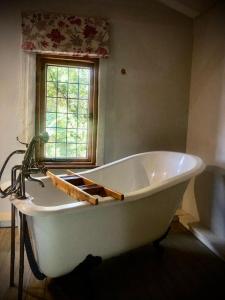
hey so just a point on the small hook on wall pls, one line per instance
(123, 71)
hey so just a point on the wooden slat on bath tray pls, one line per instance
(82, 192)
(71, 190)
(108, 192)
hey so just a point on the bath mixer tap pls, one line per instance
(24, 171)
(29, 165)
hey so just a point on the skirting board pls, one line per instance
(204, 235)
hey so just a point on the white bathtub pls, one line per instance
(65, 231)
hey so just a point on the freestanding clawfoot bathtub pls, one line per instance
(65, 231)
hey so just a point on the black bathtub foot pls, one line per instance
(81, 276)
(88, 264)
(157, 242)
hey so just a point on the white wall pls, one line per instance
(143, 110)
(10, 119)
(206, 124)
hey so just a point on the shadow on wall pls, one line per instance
(210, 199)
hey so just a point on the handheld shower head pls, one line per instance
(44, 137)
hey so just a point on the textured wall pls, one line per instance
(206, 126)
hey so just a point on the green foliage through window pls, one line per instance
(66, 117)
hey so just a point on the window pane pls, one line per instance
(83, 107)
(62, 90)
(72, 106)
(83, 91)
(73, 75)
(63, 74)
(50, 119)
(71, 136)
(71, 150)
(84, 76)
(72, 121)
(83, 121)
(82, 150)
(52, 134)
(51, 105)
(62, 120)
(61, 135)
(62, 105)
(73, 91)
(49, 150)
(52, 73)
(81, 136)
(61, 150)
(51, 89)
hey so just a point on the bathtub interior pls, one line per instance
(126, 176)
(48, 195)
(143, 170)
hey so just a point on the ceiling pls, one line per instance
(190, 8)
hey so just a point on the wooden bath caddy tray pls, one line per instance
(82, 188)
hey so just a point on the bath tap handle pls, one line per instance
(32, 171)
(26, 144)
(30, 178)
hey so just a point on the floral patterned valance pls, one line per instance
(65, 34)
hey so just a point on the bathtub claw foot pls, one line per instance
(157, 242)
(89, 263)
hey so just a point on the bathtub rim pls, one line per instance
(28, 207)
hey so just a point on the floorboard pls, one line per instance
(181, 268)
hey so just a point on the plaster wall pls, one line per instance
(206, 124)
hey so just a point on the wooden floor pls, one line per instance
(182, 269)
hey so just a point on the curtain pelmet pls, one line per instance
(65, 34)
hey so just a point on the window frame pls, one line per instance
(41, 61)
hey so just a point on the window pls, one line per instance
(67, 110)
